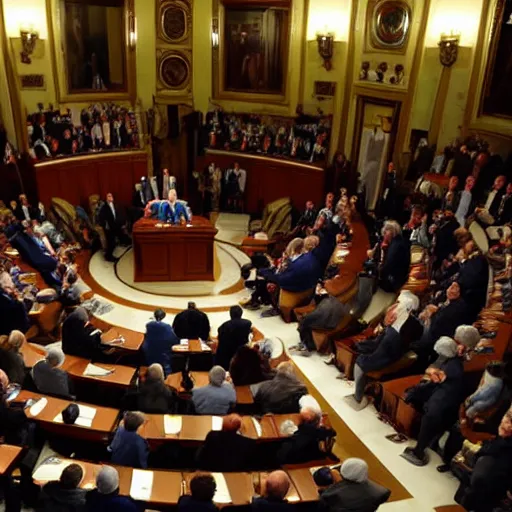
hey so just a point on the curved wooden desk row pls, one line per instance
(168, 486)
(193, 428)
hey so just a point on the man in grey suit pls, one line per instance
(353, 491)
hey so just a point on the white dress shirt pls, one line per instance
(113, 209)
(490, 199)
(26, 212)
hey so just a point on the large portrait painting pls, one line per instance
(255, 49)
(496, 98)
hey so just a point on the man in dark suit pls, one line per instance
(394, 271)
(352, 490)
(158, 342)
(226, 450)
(13, 315)
(24, 211)
(504, 213)
(493, 200)
(111, 218)
(452, 197)
(192, 323)
(231, 335)
(273, 493)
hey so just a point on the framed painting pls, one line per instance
(250, 61)
(496, 99)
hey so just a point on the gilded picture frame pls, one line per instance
(64, 91)
(174, 71)
(221, 90)
(494, 98)
(388, 26)
(174, 21)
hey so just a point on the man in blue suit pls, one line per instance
(301, 274)
(174, 211)
(158, 342)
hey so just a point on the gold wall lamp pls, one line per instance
(449, 49)
(28, 43)
(326, 49)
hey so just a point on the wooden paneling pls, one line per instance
(269, 179)
(75, 179)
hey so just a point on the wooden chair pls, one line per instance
(288, 301)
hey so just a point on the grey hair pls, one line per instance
(446, 347)
(467, 335)
(155, 372)
(286, 368)
(393, 226)
(354, 470)
(55, 356)
(296, 246)
(217, 376)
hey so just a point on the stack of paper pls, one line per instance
(205, 347)
(216, 422)
(142, 485)
(172, 424)
(85, 416)
(38, 406)
(222, 492)
(92, 370)
(49, 471)
(184, 341)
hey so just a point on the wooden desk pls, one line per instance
(194, 429)
(75, 366)
(132, 340)
(103, 422)
(302, 480)
(174, 253)
(243, 393)
(8, 456)
(193, 347)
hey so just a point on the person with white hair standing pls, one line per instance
(352, 490)
(105, 498)
(387, 348)
(218, 397)
(441, 392)
(49, 377)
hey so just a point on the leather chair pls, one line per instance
(288, 301)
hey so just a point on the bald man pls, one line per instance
(273, 494)
(304, 444)
(226, 449)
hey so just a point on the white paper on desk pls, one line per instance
(92, 370)
(205, 347)
(172, 424)
(87, 412)
(184, 341)
(47, 472)
(222, 492)
(38, 407)
(85, 416)
(216, 422)
(257, 426)
(142, 485)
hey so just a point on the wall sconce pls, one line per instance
(326, 49)
(449, 49)
(132, 32)
(215, 32)
(28, 43)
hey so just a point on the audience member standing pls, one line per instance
(192, 323)
(129, 448)
(158, 342)
(231, 335)
(111, 218)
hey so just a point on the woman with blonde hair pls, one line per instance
(11, 360)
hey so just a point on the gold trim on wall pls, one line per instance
(186, 10)
(58, 49)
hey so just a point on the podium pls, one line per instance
(173, 252)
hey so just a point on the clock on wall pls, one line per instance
(174, 70)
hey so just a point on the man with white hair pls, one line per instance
(352, 490)
(218, 397)
(106, 495)
(49, 377)
(387, 348)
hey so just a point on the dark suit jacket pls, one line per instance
(231, 335)
(137, 201)
(106, 218)
(189, 504)
(493, 209)
(263, 504)
(504, 214)
(301, 274)
(192, 324)
(395, 270)
(12, 315)
(473, 280)
(384, 350)
(454, 203)
(303, 445)
(33, 212)
(226, 451)
(158, 343)
(353, 497)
